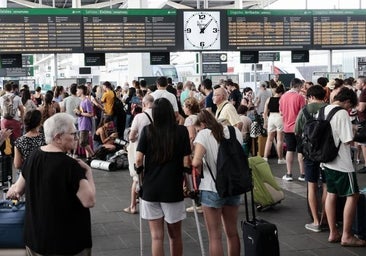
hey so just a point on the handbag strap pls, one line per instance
(218, 115)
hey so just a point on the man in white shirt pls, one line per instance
(340, 174)
(13, 121)
(138, 123)
(161, 92)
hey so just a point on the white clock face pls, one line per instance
(201, 30)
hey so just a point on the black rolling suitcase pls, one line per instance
(6, 170)
(359, 222)
(260, 236)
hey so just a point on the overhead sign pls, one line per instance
(129, 30)
(214, 68)
(269, 29)
(214, 57)
(299, 56)
(10, 61)
(16, 72)
(94, 59)
(249, 56)
(27, 60)
(68, 30)
(159, 58)
(84, 70)
(269, 56)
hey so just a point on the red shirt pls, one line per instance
(290, 105)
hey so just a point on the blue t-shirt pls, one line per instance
(209, 103)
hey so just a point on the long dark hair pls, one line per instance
(25, 96)
(163, 131)
(210, 122)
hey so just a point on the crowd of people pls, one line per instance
(172, 128)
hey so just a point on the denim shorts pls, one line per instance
(213, 200)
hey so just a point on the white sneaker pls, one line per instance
(265, 159)
(198, 208)
(281, 161)
(301, 177)
(287, 177)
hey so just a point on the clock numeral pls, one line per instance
(215, 30)
(201, 16)
(202, 44)
(188, 30)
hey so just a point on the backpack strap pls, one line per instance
(209, 169)
(148, 116)
(330, 114)
(232, 136)
(306, 113)
(232, 132)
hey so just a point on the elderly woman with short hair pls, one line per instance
(59, 191)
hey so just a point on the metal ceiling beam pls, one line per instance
(103, 4)
(29, 4)
(177, 6)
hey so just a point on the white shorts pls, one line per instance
(172, 212)
(131, 149)
(275, 122)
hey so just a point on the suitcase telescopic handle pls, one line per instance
(252, 206)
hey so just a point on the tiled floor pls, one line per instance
(116, 233)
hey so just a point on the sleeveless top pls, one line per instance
(38, 100)
(273, 105)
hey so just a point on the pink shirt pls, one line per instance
(290, 105)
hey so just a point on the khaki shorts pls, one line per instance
(341, 183)
(275, 122)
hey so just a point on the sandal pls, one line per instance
(129, 210)
(335, 240)
(354, 242)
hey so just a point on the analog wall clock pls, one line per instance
(201, 30)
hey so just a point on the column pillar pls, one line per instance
(3, 3)
(138, 63)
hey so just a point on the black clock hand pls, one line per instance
(200, 25)
(205, 26)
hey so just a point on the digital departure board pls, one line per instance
(129, 30)
(53, 30)
(335, 29)
(269, 29)
(40, 31)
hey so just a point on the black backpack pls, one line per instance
(233, 177)
(317, 137)
(120, 114)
